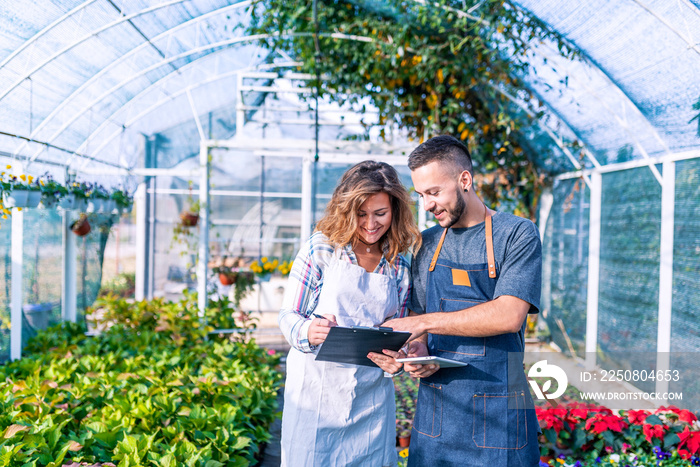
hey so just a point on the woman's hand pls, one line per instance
(319, 328)
(387, 360)
(418, 348)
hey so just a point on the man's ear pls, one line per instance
(465, 181)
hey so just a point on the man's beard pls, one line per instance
(456, 214)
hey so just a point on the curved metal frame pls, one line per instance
(193, 51)
(126, 56)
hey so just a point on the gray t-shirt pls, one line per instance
(517, 250)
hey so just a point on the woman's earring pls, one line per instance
(466, 190)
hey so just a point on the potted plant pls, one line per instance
(76, 199)
(81, 226)
(97, 196)
(190, 217)
(403, 433)
(122, 200)
(52, 192)
(20, 191)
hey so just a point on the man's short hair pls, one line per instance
(444, 149)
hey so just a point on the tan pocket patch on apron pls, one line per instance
(460, 277)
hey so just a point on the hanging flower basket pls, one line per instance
(81, 227)
(67, 203)
(227, 278)
(48, 202)
(95, 205)
(19, 198)
(189, 219)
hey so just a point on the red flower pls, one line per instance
(685, 454)
(654, 431)
(691, 439)
(670, 408)
(550, 418)
(687, 416)
(637, 417)
(602, 422)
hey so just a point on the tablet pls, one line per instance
(443, 362)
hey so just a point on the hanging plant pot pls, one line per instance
(33, 199)
(67, 202)
(48, 201)
(21, 198)
(189, 219)
(95, 205)
(228, 278)
(81, 227)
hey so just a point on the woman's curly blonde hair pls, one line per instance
(357, 184)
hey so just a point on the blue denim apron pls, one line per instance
(472, 416)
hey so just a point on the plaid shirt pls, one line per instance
(306, 281)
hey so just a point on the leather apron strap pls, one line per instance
(489, 244)
(437, 251)
(490, 257)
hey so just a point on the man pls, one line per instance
(476, 278)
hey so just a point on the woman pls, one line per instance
(353, 273)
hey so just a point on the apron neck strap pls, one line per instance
(490, 257)
(489, 244)
(437, 251)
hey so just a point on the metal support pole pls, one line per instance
(593, 270)
(17, 282)
(663, 343)
(69, 291)
(203, 257)
(306, 194)
(140, 206)
(546, 203)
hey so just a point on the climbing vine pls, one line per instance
(430, 67)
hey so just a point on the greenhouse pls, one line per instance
(165, 161)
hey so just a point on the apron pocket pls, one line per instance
(428, 419)
(500, 420)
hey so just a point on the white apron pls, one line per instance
(339, 414)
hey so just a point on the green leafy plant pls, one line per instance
(122, 286)
(51, 190)
(150, 390)
(122, 198)
(405, 391)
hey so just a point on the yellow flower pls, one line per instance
(31, 179)
(264, 259)
(404, 453)
(23, 177)
(9, 166)
(42, 182)
(4, 216)
(19, 209)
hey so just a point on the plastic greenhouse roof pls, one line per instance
(83, 81)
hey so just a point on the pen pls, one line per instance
(317, 316)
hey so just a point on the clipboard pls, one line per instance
(351, 345)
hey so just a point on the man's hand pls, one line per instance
(387, 360)
(418, 348)
(413, 324)
(319, 328)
